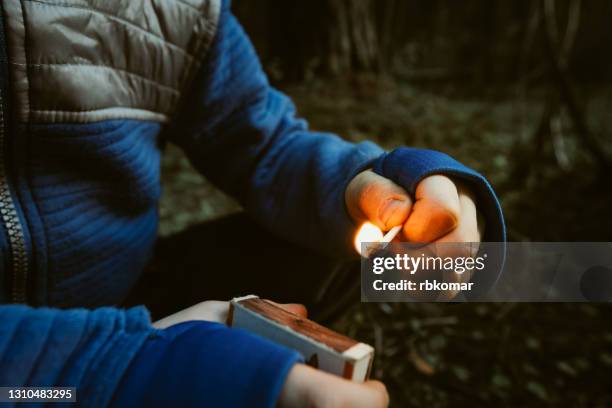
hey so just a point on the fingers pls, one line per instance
(307, 387)
(371, 394)
(379, 394)
(345, 393)
(378, 200)
(443, 210)
(436, 211)
(464, 240)
(470, 226)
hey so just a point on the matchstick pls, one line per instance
(382, 244)
(392, 233)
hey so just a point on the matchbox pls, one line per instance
(321, 347)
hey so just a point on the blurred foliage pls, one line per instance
(507, 355)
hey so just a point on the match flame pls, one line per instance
(368, 232)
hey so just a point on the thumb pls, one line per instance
(376, 199)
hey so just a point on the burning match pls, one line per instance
(370, 233)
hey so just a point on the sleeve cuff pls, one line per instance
(206, 364)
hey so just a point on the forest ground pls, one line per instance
(441, 355)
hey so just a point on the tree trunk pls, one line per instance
(353, 38)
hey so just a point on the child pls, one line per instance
(88, 91)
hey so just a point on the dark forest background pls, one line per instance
(472, 40)
(521, 91)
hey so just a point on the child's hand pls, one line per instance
(307, 387)
(304, 386)
(443, 210)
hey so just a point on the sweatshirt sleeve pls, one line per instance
(89, 350)
(115, 357)
(204, 364)
(243, 135)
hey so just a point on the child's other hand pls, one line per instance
(304, 386)
(443, 210)
(307, 387)
(213, 311)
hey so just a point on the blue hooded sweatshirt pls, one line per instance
(82, 197)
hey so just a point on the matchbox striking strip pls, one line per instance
(321, 347)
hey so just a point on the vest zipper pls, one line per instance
(10, 218)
